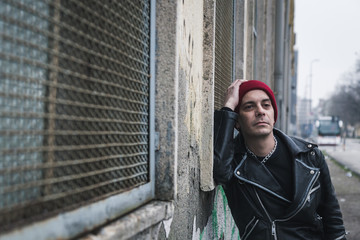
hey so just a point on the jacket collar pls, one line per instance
(294, 144)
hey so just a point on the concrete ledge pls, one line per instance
(135, 222)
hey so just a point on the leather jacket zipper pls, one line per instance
(273, 227)
(273, 230)
(312, 190)
(262, 205)
(341, 237)
(247, 233)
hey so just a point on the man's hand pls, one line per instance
(232, 94)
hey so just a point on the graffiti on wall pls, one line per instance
(220, 224)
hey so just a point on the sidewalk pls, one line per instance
(348, 156)
(347, 187)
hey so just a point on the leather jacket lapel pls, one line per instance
(304, 180)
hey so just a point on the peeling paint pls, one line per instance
(191, 64)
(167, 226)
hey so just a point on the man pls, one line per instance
(278, 187)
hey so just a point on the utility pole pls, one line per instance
(310, 81)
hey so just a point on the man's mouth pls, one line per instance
(261, 123)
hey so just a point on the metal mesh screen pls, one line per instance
(74, 103)
(223, 50)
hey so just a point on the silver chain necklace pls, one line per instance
(267, 156)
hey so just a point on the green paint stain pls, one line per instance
(202, 234)
(232, 232)
(221, 229)
(214, 218)
(225, 203)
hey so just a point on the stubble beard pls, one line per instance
(258, 133)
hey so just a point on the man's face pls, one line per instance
(256, 114)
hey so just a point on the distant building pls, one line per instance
(304, 117)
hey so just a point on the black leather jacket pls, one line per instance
(254, 196)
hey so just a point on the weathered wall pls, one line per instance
(166, 98)
(192, 206)
(188, 96)
(194, 209)
(205, 214)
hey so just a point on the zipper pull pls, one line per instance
(273, 228)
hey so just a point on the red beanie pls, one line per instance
(255, 84)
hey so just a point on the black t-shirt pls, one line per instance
(280, 165)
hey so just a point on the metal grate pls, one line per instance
(74, 104)
(223, 50)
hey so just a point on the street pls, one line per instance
(344, 165)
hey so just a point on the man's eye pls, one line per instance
(248, 107)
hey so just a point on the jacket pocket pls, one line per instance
(249, 228)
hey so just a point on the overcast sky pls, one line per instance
(327, 30)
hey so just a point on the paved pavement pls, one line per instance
(348, 155)
(344, 165)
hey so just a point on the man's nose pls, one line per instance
(260, 111)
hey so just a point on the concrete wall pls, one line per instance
(194, 116)
(188, 203)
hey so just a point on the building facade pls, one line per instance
(107, 112)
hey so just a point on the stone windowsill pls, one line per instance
(135, 222)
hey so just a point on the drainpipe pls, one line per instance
(279, 60)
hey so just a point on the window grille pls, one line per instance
(223, 50)
(74, 104)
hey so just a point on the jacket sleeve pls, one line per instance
(329, 208)
(223, 145)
